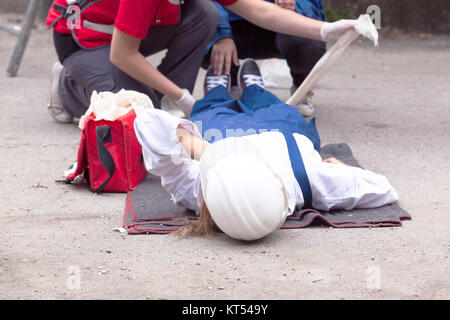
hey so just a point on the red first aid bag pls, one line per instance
(110, 155)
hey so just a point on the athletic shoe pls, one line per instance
(54, 106)
(213, 80)
(249, 74)
(305, 106)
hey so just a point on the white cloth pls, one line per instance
(276, 74)
(363, 27)
(333, 186)
(111, 106)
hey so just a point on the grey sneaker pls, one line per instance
(54, 106)
(213, 80)
(249, 74)
(305, 106)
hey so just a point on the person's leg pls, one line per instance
(86, 71)
(301, 55)
(212, 98)
(186, 42)
(267, 111)
(252, 42)
(255, 97)
(241, 31)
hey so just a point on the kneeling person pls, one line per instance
(238, 38)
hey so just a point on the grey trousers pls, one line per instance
(88, 70)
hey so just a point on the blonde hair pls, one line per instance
(204, 226)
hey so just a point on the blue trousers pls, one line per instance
(218, 116)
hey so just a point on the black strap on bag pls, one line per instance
(103, 134)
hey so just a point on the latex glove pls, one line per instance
(181, 108)
(334, 30)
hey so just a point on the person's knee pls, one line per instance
(208, 15)
(288, 43)
(92, 70)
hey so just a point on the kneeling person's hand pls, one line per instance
(332, 31)
(224, 52)
(184, 104)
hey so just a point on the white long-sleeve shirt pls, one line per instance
(333, 186)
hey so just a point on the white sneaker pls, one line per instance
(305, 106)
(54, 106)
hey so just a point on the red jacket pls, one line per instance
(95, 19)
(104, 13)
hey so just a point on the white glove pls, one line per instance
(332, 31)
(186, 102)
(182, 107)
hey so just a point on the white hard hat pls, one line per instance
(246, 198)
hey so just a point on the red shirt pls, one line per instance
(135, 17)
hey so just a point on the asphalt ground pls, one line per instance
(390, 104)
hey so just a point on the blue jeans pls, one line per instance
(218, 116)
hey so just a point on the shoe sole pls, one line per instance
(53, 74)
(56, 70)
(306, 113)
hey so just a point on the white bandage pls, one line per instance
(347, 31)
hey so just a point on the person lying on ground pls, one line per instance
(250, 162)
(236, 38)
(102, 45)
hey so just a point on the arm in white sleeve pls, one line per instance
(343, 187)
(165, 157)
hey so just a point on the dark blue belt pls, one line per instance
(299, 169)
